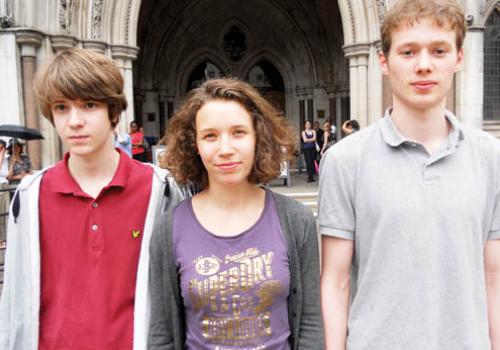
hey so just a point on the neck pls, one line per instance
(99, 168)
(232, 196)
(428, 127)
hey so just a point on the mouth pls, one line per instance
(78, 138)
(228, 165)
(424, 85)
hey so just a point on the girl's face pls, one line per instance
(225, 138)
(17, 148)
(134, 127)
(308, 125)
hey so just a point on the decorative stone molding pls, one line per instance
(127, 22)
(62, 42)
(378, 45)
(351, 15)
(95, 45)
(6, 22)
(381, 9)
(64, 15)
(356, 50)
(124, 52)
(29, 40)
(96, 19)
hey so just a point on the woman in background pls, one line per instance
(309, 149)
(137, 138)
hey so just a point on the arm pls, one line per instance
(335, 285)
(326, 135)
(311, 327)
(303, 135)
(492, 274)
(160, 333)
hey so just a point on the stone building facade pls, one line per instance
(315, 60)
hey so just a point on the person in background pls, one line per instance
(328, 138)
(319, 137)
(260, 247)
(309, 149)
(409, 208)
(4, 163)
(122, 141)
(19, 163)
(137, 138)
(350, 126)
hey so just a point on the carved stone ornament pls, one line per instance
(6, 21)
(235, 43)
(381, 10)
(65, 15)
(96, 19)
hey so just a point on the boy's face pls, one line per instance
(420, 65)
(83, 126)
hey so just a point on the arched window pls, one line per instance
(491, 105)
(204, 71)
(267, 79)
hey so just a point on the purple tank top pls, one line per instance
(234, 289)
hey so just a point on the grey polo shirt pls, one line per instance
(419, 224)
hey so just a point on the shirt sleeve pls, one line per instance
(336, 195)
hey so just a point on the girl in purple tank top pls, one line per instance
(234, 277)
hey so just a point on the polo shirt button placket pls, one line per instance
(95, 205)
(94, 227)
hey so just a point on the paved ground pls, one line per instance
(299, 184)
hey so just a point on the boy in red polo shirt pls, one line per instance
(78, 237)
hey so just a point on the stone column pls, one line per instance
(123, 56)
(358, 70)
(29, 41)
(59, 43)
(470, 79)
(95, 45)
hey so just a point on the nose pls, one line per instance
(225, 145)
(424, 62)
(74, 118)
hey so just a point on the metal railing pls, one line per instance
(6, 193)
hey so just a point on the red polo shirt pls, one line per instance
(89, 255)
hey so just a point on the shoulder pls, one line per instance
(294, 210)
(480, 140)
(350, 149)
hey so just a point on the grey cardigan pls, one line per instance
(166, 329)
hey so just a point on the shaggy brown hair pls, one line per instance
(275, 139)
(444, 13)
(79, 74)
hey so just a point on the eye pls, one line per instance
(440, 51)
(59, 107)
(407, 53)
(239, 132)
(90, 105)
(209, 136)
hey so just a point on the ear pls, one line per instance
(384, 63)
(460, 59)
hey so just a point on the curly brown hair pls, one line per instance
(275, 140)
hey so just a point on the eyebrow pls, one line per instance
(431, 43)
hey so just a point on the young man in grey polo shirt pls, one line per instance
(409, 208)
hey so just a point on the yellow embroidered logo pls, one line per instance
(136, 234)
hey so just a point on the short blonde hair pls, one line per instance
(79, 74)
(444, 13)
(275, 139)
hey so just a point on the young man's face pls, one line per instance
(420, 65)
(83, 126)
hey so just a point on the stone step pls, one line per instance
(309, 199)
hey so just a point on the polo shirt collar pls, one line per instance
(65, 183)
(394, 138)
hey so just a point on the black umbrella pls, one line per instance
(20, 132)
